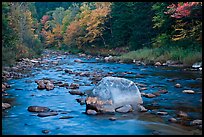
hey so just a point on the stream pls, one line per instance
(23, 93)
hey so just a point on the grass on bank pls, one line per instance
(186, 56)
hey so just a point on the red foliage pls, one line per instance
(180, 11)
(44, 19)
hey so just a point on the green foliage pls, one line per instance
(132, 24)
(19, 38)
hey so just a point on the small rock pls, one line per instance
(124, 109)
(78, 60)
(5, 105)
(141, 85)
(196, 122)
(188, 91)
(144, 88)
(81, 101)
(76, 93)
(142, 93)
(149, 95)
(45, 131)
(142, 108)
(47, 114)
(82, 55)
(172, 80)
(182, 114)
(163, 91)
(197, 65)
(156, 133)
(68, 71)
(200, 127)
(91, 112)
(63, 85)
(41, 85)
(66, 117)
(38, 109)
(156, 93)
(3, 86)
(157, 64)
(49, 86)
(74, 86)
(178, 85)
(110, 72)
(172, 120)
(112, 118)
(162, 113)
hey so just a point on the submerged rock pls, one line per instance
(66, 117)
(112, 93)
(112, 118)
(74, 86)
(38, 109)
(76, 93)
(45, 131)
(47, 114)
(124, 109)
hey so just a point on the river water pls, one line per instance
(24, 93)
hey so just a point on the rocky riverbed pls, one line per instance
(48, 96)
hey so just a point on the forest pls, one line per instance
(102, 68)
(149, 31)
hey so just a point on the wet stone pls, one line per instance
(81, 101)
(78, 60)
(163, 91)
(91, 112)
(66, 117)
(178, 85)
(47, 114)
(112, 118)
(188, 91)
(162, 113)
(124, 109)
(143, 88)
(74, 86)
(45, 131)
(76, 93)
(196, 122)
(50, 86)
(142, 108)
(5, 105)
(173, 120)
(182, 114)
(156, 93)
(149, 95)
(38, 109)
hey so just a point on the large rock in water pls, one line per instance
(112, 93)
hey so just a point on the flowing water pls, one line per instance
(24, 93)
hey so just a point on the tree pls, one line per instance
(188, 18)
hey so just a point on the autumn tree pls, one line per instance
(188, 18)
